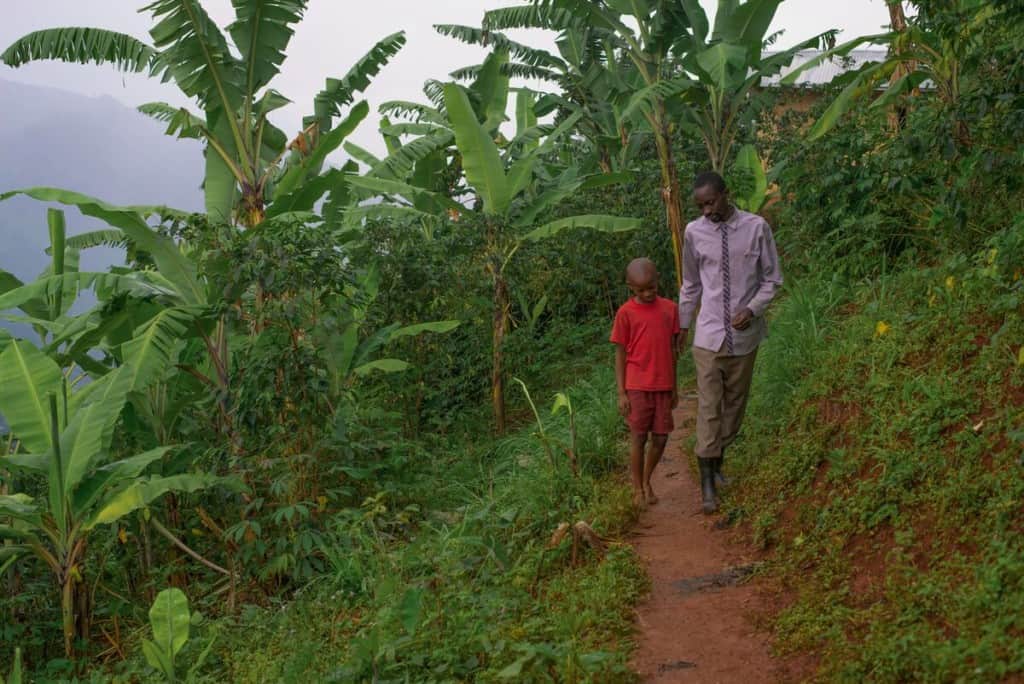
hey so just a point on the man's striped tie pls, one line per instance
(726, 294)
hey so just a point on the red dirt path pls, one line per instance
(693, 634)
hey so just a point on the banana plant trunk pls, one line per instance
(898, 22)
(670, 192)
(499, 327)
(67, 612)
(74, 600)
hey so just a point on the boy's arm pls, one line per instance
(676, 346)
(620, 379)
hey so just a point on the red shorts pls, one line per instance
(650, 412)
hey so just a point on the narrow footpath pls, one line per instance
(696, 625)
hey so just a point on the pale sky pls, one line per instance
(335, 33)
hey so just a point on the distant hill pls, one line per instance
(94, 145)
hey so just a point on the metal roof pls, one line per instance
(823, 73)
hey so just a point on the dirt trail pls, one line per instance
(696, 624)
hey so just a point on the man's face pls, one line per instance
(714, 205)
(644, 287)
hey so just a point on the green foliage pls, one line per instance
(82, 45)
(925, 51)
(15, 677)
(450, 576)
(336, 355)
(889, 430)
(750, 167)
(725, 97)
(170, 619)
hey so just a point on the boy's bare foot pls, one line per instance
(639, 500)
(649, 496)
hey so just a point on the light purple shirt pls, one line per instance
(754, 278)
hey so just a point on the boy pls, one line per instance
(645, 337)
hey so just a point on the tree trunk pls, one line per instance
(499, 327)
(83, 613)
(67, 611)
(898, 22)
(670, 192)
(897, 18)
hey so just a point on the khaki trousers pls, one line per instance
(723, 385)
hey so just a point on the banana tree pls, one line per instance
(916, 55)
(64, 437)
(512, 188)
(46, 314)
(511, 208)
(728, 64)
(591, 80)
(659, 26)
(157, 309)
(249, 161)
(419, 177)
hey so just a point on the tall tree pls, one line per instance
(592, 78)
(728, 63)
(246, 155)
(660, 25)
(919, 52)
(898, 24)
(510, 183)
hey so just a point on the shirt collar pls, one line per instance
(730, 222)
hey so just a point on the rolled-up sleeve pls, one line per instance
(690, 292)
(770, 272)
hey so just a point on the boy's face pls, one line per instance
(644, 286)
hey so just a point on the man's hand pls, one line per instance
(741, 321)
(624, 404)
(681, 341)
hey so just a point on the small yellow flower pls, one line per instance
(122, 535)
(950, 283)
(881, 328)
(321, 503)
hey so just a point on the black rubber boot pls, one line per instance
(720, 479)
(708, 495)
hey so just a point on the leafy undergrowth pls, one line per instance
(881, 464)
(465, 590)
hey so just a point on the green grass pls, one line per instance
(458, 585)
(881, 462)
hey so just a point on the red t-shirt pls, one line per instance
(645, 331)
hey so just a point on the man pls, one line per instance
(731, 269)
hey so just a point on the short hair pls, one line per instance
(641, 265)
(711, 178)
